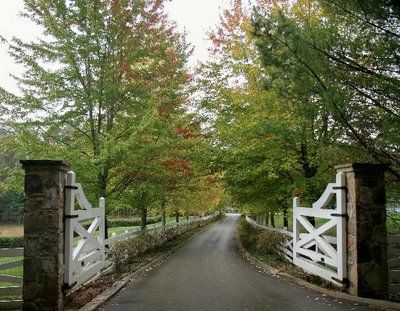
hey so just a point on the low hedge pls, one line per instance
(11, 242)
(263, 242)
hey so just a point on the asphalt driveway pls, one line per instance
(209, 274)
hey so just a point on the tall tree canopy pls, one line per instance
(105, 89)
(296, 87)
(344, 56)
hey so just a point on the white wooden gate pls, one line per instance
(84, 248)
(321, 249)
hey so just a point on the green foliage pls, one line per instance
(11, 207)
(264, 242)
(11, 241)
(268, 147)
(105, 89)
(295, 88)
(325, 56)
(125, 251)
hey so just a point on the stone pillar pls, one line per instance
(44, 234)
(366, 230)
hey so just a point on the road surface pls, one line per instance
(209, 274)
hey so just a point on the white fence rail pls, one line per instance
(14, 260)
(394, 263)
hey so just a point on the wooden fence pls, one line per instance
(13, 260)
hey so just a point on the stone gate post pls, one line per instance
(44, 234)
(366, 229)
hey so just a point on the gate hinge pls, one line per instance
(338, 215)
(340, 188)
(70, 216)
(71, 187)
(345, 281)
(67, 287)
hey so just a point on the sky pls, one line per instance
(196, 17)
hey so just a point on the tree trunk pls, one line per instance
(102, 188)
(272, 219)
(143, 218)
(177, 216)
(163, 214)
(285, 218)
(187, 217)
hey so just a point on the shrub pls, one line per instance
(11, 242)
(264, 242)
(124, 252)
(270, 243)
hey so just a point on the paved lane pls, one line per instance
(209, 274)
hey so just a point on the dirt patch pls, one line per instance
(11, 230)
(87, 292)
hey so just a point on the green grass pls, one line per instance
(121, 230)
(17, 231)
(11, 230)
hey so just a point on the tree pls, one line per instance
(344, 56)
(268, 143)
(103, 75)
